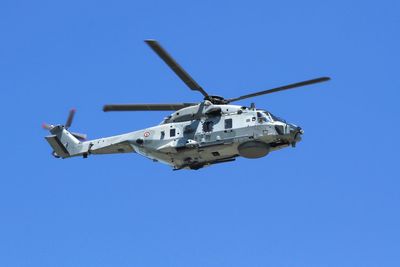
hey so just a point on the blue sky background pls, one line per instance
(332, 201)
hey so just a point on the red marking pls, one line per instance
(146, 134)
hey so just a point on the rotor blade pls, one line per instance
(185, 77)
(70, 118)
(146, 107)
(79, 136)
(47, 126)
(281, 88)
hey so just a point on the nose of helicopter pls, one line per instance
(296, 132)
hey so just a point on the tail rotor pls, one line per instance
(68, 123)
(47, 126)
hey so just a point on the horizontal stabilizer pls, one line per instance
(57, 146)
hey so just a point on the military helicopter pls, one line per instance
(195, 135)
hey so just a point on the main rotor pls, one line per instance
(193, 85)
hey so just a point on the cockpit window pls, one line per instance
(271, 117)
(263, 116)
(276, 118)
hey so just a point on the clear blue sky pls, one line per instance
(332, 201)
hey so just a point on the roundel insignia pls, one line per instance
(146, 134)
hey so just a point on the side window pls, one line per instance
(261, 117)
(172, 132)
(228, 123)
(162, 135)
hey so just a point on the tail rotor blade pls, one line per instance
(70, 118)
(79, 136)
(47, 126)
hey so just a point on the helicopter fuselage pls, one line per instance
(202, 135)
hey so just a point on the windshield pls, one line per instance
(263, 116)
(273, 117)
(276, 118)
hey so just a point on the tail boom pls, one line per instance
(66, 145)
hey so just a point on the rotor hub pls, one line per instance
(216, 100)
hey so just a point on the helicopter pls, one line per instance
(195, 135)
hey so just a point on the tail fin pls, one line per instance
(64, 143)
(68, 144)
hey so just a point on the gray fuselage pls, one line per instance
(193, 137)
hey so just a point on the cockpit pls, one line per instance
(265, 116)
